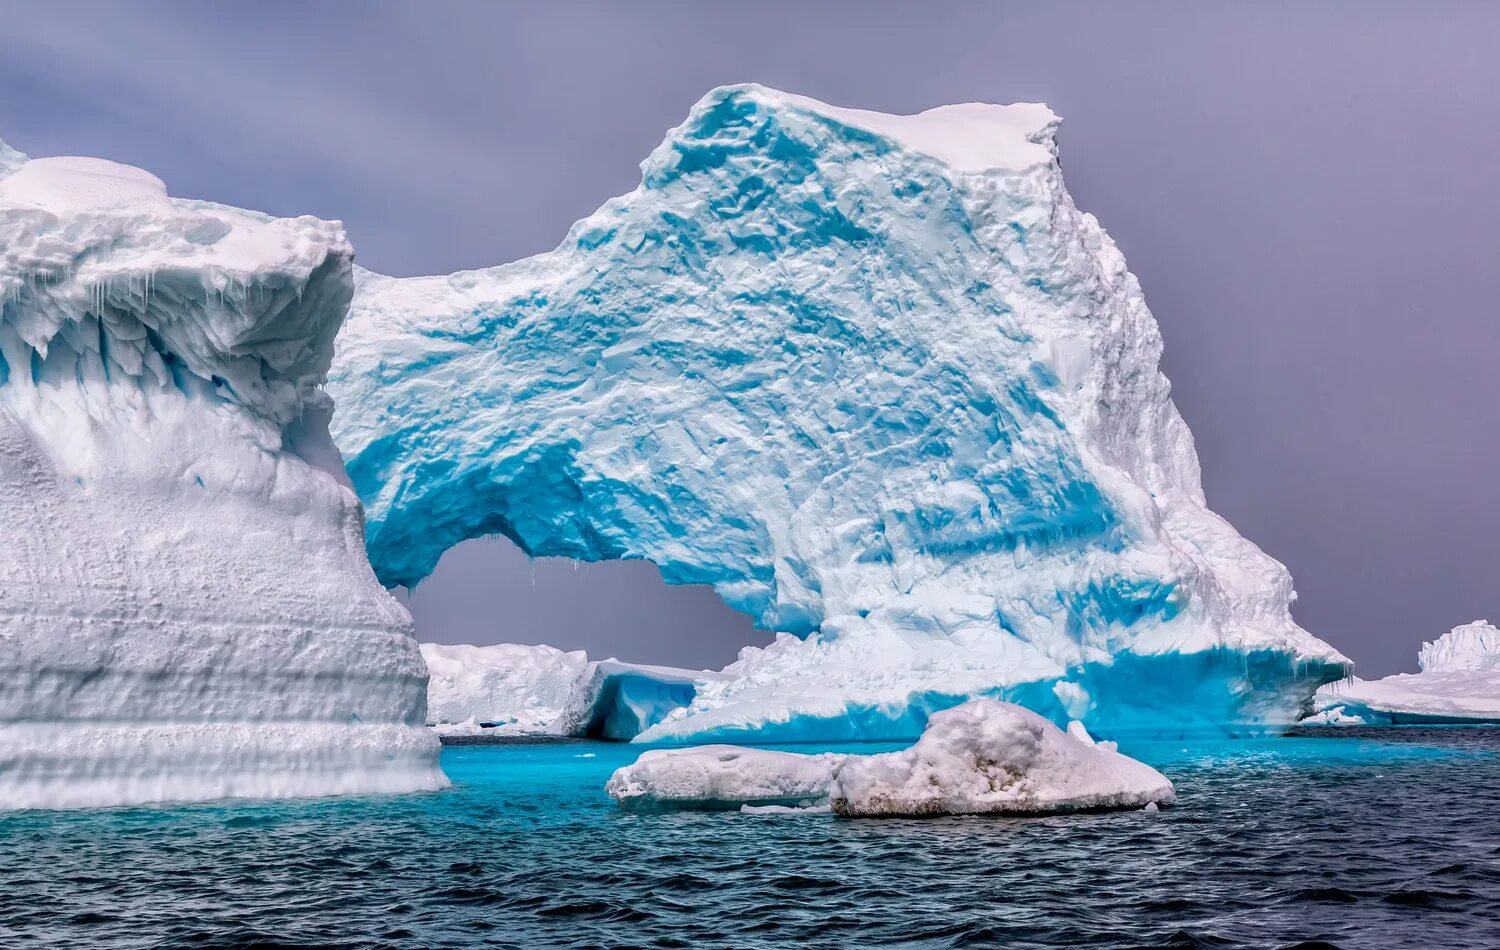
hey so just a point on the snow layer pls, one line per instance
(992, 757)
(984, 756)
(723, 777)
(879, 382)
(1459, 683)
(186, 610)
(515, 689)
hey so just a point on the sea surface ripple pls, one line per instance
(1331, 838)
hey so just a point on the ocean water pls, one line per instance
(1345, 838)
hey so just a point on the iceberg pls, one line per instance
(186, 608)
(505, 689)
(983, 757)
(989, 757)
(512, 689)
(1459, 683)
(878, 381)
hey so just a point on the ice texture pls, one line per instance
(879, 382)
(1459, 683)
(723, 778)
(992, 757)
(516, 689)
(507, 689)
(186, 609)
(982, 757)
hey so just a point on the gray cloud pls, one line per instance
(1305, 189)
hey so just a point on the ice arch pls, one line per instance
(880, 383)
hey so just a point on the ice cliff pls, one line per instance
(1459, 682)
(186, 610)
(878, 381)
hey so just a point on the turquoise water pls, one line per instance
(1354, 839)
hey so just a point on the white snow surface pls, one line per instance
(1459, 682)
(993, 757)
(186, 608)
(878, 381)
(984, 756)
(723, 777)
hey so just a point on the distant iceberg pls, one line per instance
(511, 689)
(983, 757)
(1459, 683)
(186, 610)
(878, 381)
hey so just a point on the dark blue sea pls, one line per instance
(1335, 838)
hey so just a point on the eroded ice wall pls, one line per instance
(878, 381)
(186, 610)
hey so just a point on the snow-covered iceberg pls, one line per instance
(992, 757)
(723, 778)
(983, 757)
(186, 610)
(878, 381)
(1459, 682)
(516, 689)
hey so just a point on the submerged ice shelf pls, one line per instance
(1459, 683)
(520, 690)
(186, 609)
(983, 757)
(878, 381)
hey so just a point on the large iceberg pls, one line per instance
(878, 381)
(512, 689)
(983, 757)
(186, 610)
(1459, 683)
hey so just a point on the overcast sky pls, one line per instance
(1308, 192)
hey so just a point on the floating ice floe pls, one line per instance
(983, 757)
(1459, 683)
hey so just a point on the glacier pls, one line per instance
(1459, 683)
(878, 381)
(186, 607)
(512, 689)
(982, 757)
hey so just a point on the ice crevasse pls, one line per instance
(878, 381)
(186, 609)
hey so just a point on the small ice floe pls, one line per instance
(984, 757)
(723, 777)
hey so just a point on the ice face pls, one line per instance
(515, 689)
(1459, 683)
(879, 382)
(186, 610)
(983, 757)
(1471, 648)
